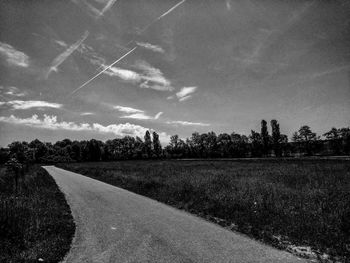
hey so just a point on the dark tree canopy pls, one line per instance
(204, 145)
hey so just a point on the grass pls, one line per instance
(303, 202)
(35, 219)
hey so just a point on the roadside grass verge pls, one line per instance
(35, 220)
(282, 202)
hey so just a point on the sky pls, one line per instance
(103, 69)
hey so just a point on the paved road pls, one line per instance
(115, 225)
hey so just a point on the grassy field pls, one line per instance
(283, 202)
(35, 220)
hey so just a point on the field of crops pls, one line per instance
(35, 220)
(302, 202)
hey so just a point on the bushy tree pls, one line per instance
(306, 138)
(256, 144)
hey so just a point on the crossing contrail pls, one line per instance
(109, 4)
(98, 74)
(63, 56)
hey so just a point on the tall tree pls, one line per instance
(276, 138)
(157, 147)
(148, 145)
(265, 137)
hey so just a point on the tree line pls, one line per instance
(206, 145)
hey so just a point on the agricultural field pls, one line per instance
(284, 202)
(35, 220)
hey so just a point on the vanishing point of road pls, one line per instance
(115, 225)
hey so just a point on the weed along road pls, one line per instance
(115, 225)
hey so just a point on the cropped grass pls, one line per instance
(306, 202)
(35, 219)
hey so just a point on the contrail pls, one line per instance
(107, 6)
(98, 74)
(63, 56)
(161, 16)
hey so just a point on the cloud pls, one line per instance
(142, 116)
(158, 115)
(92, 11)
(63, 56)
(153, 78)
(138, 116)
(151, 47)
(184, 93)
(149, 77)
(188, 123)
(228, 5)
(13, 91)
(185, 98)
(87, 113)
(61, 43)
(28, 104)
(124, 74)
(51, 123)
(105, 68)
(13, 56)
(127, 109)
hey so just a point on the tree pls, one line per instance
(276, 138)
(148, 145)
(256, 144)
(39, 148)
(224, 144)
(306, 138)
(157, 147)
(334, 137)
(345, 135)
(265, 138)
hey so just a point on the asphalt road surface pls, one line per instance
(115, 225)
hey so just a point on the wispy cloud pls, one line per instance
(28, 104)
(158, 115)
(311, 76)
(92, 11)
(61, 43)
(153, 78)
(13, 56)
(102, 71)
(228, 5)
(127, 109)
(188, 123)
(184, 93)
(151, 47)
(124, 74)
(13, 91)
(63, 56)
(109, 4)
(51, 123)
(142, 116)
(149, 77)
(87, 113)
(185, 98)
